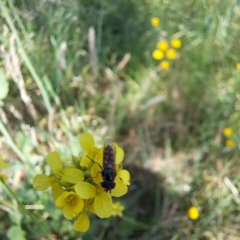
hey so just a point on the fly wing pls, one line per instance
(109, 153)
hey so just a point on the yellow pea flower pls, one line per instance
(238, 66)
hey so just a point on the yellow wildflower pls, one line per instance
(170, 53)
(155, 21)
(157, 54)
(227, 132)
(238, 66)
(162, 45)
(229, 143)
(193, 213)
(87, 143)
(117, 209)
(176, 43)
(102, 199)
(71, 203)
(164, 64)
(238, 13)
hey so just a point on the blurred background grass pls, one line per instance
(74, 66)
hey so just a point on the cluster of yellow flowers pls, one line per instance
(227, 132)
(76, 184)
(3, 165)
(164, 50)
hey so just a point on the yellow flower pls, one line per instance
(87, 143)
(70, 175)
(117, 209)
(238, 13)
(227, 132)
(42, 182)
(238, 66)
(70, 203)
(170, 53)
(193, 213)
(82, 223)
(102, 201)
(164, 64)
(176, 43)
(229, 143)
(162, 45)
(155, 21)
(157, 54)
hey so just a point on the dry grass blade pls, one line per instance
(92, 50)
(13, 69)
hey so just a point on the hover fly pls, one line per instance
(109, 166)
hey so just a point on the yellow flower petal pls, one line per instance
(57, 191)
(96, 173)
(85, 190)
(91, 208)
(85, 161)
(68, 212)
(120, 188)
(61, 201)
(87, 143)
(72, 175)
(54, 161)
(98, 158)
(103, 204)
(2, 163)
(124, 175)
(42, 182)
(119, 154)
(82, 223)
(78, 206)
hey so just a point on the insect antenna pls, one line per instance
(97, 164)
